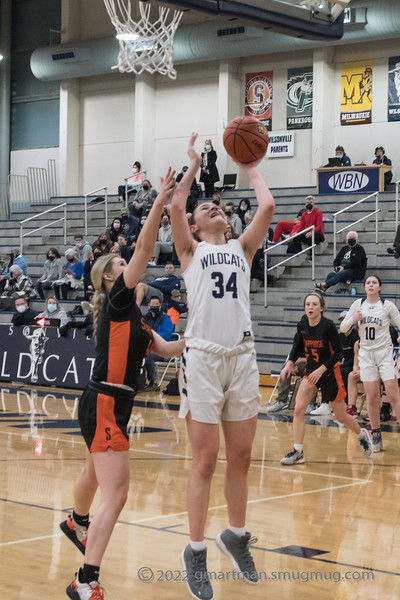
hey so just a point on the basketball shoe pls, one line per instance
(85, 591)
(76, 533)
(293, 458)
(237, 547)
(197, 581)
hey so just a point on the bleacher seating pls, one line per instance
(273, 326)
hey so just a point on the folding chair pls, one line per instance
(166, 363)
(228, 183)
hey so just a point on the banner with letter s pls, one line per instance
(394, 89)
(258, 97)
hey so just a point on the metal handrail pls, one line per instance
(105, 189)
(375, 212)
(295, 235)
(126, 179)
(64, 218)
(397, 184)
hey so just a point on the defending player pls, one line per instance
(219, 375)
(318, 340)
(375, 357)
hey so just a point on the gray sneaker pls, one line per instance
(310, 408)
(237, 547)
(366, 442)
(277, 406)
(377, 445)
(197, 581)
(293, 458)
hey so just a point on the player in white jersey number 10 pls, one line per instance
(219, 375)
(374, 316)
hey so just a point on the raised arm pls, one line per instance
(148, 235)
(253, 237)
(185, 245)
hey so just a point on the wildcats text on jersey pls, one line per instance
(374, 320)
(222, 258)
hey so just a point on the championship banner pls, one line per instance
(299, 98)
(394, 89)
(258, 97)
(356, 95)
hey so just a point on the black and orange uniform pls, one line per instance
(123, 340)
(321, 346)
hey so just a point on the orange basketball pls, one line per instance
(246, 139)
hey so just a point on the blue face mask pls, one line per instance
(143, 221)
(52, 307)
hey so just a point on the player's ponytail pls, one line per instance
(102, 265)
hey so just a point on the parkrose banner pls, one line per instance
(299, 98)
(394, 89)
(258, 97)
(356, 95)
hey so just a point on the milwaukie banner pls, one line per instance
(299, 98)
(394, 89)
(356, 95)
(258, 96)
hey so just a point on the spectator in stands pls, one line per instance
(229, 233)
(81, 247)
(311, 216)
(344, 159)
(243, 207)
(216, 199)
(130, 225)
(134, 181)
(233, 218)
(175, 308)
(87, 268)
(15, 259)
(162, 324)
(52, 269)
(53, 310)
(164, 241)
(161, 287)
(17, 285)
(71, 275)
(382, 159)
(191, 202)
(23, 315)
(114, 230)
(257, 265)
(125, 250)
(287, 227)
(103, 244)
(349, 264)
(208, 170)
(143, 200)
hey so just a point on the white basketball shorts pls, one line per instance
(376, 364)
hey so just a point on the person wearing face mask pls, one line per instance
(243, 207)
(382, 159)
(15, 258)
(161, 323)
(161, 287)
(311, 216)
(349, 264)
(23, 315)
(233, 219)
(53, 310)
(52, 269)
(71, 275)
(341, 154)
(113, 232)
(164, 241)
(133, 182)
(143, 200)
(130, 225)
(208, 169)
(17, 285)
(81, 247)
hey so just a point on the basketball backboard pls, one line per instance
(311, 19)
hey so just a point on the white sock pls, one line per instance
(239, 531)
(298, 447)
(197, 546)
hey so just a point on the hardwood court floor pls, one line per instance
(328, 529)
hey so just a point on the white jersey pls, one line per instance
(218, 282)
(374, 327)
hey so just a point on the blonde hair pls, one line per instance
(52, 298)
(102, 265)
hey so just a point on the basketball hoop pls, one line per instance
(143, 45)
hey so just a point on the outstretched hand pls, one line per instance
(167, 183)
(192, 154)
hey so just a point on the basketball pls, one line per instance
(246, 139)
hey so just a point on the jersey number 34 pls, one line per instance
(220, 288)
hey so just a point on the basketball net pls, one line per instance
(143, 45)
